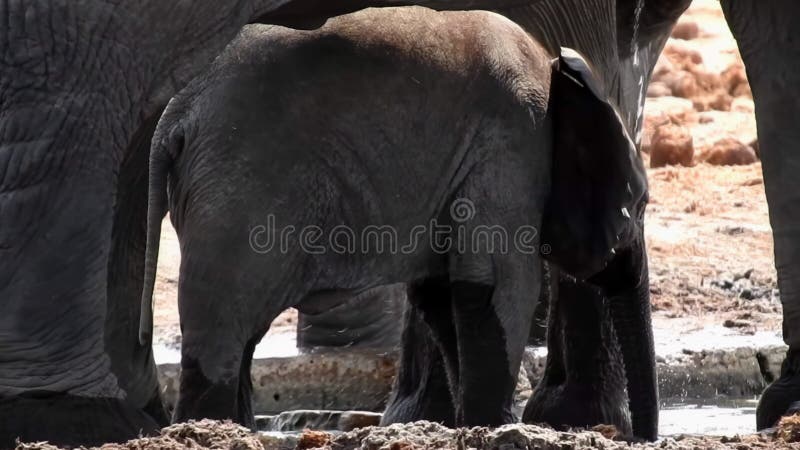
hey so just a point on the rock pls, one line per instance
(663, 66)
(681, 53)
(671, 145)
(264, 423)
(686, 29)
(734, 80)
(673, 109)
(682, 84)
(788, 429)
(737, 323)
(326, 420)
(279, 441)
(305, 419)
(754, 145)
(742, 90)
(608, 431)
(353, 420)
(730, 152)
(744, 275)
(718, 100)
(743, 105)
(731, 230)
(351, 380)
(664, 110)
(658, 89)
(313, 439)
(651, 122)
(35, 446)
(685, 75)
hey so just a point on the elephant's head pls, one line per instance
(599, 184)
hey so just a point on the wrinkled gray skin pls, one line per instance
(769, 41)
(82, 84)
(369, 320)
(467, 121)
(76, 239)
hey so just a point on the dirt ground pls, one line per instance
(707, 227)
(209, 434)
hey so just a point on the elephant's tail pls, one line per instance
(163, 151)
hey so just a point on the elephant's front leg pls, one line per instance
(769, 41)
(422, 389)
(492, 321)
(584, 382)
(495, 275)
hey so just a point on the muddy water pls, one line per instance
(678, 416)
(712, 417)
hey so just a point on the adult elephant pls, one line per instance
(769, 41)
(82, 84)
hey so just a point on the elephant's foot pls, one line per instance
(435, 406)
(779, 397)
(201, 398)
(155, 408)
(71, 421)
(569, 406)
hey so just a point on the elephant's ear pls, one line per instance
(599, 183)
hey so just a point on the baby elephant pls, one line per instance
(390, 145)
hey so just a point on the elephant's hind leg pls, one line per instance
(215, 378)
(221, 327)
(132, 362)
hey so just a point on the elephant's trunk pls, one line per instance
(630, 311)
(161, 156)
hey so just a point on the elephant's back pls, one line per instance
(460, 45)
(396, 99)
